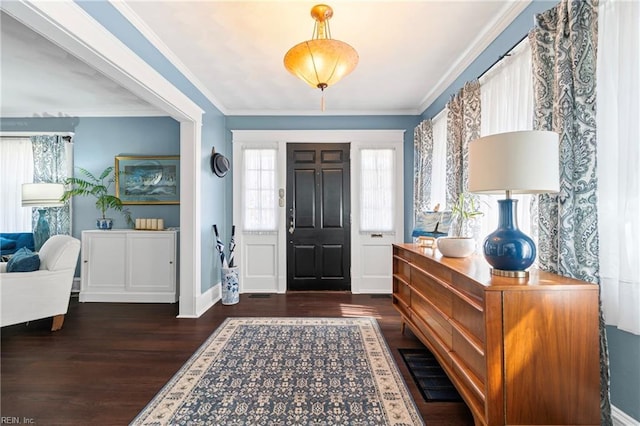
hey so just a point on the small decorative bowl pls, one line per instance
(456, 246)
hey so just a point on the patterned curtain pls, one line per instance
(463, 126)
(51, 163)
(423, 167)
(563, 45)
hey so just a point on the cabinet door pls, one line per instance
(103, 264)
(152, 263)
(551, 351)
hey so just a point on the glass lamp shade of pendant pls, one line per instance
(322, 61)
(507, 249)
(41, 232)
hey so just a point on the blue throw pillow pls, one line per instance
(23, 260)
(7, 243)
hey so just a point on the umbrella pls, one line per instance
(220, 247)
(232, 246)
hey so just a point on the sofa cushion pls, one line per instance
(23, 260)
(20, 239)
(6, 243)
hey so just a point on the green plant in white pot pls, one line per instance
(460, 244)
(98, 187)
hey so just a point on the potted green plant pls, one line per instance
(460, 243)
(97, 187)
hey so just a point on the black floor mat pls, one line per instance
(430, 378)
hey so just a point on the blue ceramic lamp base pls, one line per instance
(507, 249)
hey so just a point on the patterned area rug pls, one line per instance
(287, 371)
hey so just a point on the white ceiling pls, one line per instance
(410, 51)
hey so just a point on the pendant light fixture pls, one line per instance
(322, 61)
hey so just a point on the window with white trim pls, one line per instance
(259, 178)
(377, 184)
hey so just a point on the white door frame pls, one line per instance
(70, 27)
(358, 139)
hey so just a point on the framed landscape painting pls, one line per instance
(148, 179)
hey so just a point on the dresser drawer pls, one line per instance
(431, 288)
(431, 316)
(436, 269)
(468, 287)
(401, 268)
(469, 317)
(469, 355)
(401, 290)
(437, 346)
(402, 254)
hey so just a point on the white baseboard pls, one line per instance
(620, 418)
(207, 299)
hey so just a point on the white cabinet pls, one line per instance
(129, 266)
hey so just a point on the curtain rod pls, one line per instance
(31, 133)
(501, 57)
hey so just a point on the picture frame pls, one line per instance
(432, 224)
(152, 179)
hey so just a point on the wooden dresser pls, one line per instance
(519, 351)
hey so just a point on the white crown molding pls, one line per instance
(153, 38)
(327, 113)
(84, 113)
(508, 13)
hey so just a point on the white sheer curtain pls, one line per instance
(439, 169)
(618, 123)
(16, 168)
(506, 96)
(377, 185)
(259, 190)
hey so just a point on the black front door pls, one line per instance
(318, 217)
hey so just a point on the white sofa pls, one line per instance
(28, 296)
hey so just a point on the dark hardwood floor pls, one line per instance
(110, 359)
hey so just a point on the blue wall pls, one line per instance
(624, 361)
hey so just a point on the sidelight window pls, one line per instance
(259, 190)
(377, 184)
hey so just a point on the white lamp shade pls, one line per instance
(524, 162)
(42, 194)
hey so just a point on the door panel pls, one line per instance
(318, 243)
(332, 197)
(305, 196)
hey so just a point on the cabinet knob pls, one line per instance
(171, 262)
(86, 261)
